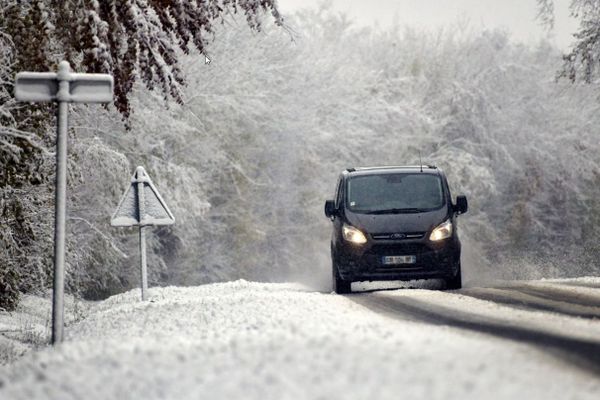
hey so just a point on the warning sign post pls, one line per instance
(142, 206)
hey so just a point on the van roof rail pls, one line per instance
(391, 167)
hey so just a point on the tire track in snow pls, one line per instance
(528, 300)
(590, 285)
(581, 353)
(560, 294)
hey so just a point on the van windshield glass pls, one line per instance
(394, 193)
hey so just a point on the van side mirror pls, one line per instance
(462, 205)
(330, 211)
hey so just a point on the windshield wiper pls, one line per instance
(396, 211)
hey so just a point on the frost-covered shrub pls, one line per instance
(9, 288)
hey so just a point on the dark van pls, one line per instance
(394, 223)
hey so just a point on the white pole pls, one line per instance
(60, 206)
(41, 86)
(143, 262)
(142, 211)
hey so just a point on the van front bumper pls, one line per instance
(365, 263)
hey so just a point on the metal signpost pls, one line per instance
(62, 87)
(142, 206)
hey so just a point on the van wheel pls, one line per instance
(456, 281)
(340, 286)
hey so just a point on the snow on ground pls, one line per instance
(281, 341)
(28, 327)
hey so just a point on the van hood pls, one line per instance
(398, 223)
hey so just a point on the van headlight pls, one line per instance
(351, 234)
(442, 231)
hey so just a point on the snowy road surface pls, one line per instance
(534, 340)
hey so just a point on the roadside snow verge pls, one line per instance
(278, 341)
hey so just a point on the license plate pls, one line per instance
(391, 260)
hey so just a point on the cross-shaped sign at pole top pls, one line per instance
(62, 87)
(142, 206)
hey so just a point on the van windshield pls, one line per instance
(394, 193)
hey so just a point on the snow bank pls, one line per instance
(278, 341)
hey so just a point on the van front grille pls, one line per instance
(398, 235)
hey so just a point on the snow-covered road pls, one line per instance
(535, 340)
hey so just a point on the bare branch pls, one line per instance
(546, 13)
(102, 234)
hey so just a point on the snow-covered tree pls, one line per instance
(136, 41)
(25, 232)
(583, 60)
(131, 39)
(486, 110)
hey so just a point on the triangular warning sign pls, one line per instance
(127, 213)
(142, 204)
